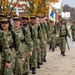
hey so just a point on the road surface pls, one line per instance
(57, 64)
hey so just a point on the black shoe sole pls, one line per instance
(33, 73)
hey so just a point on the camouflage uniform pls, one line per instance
(39, 46)
(11, 46)
(57, 30)
(63, 36)
(49, 34)
(2, 44)
(44, 38)
(9, 54)
(48, 31)
(29, 44)
(73, 32)
(34, 36)
(52, 37)
(21, 53)
(6, 58)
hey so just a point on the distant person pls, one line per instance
(63, 37)
(73, 30)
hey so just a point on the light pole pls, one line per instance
(57, 15)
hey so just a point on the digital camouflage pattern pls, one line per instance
(29, 44)
(21, 52)
(52, 37)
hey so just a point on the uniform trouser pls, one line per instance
(18, 67)
(44, 48)
(43, 52)
(57, 40)
(13, 60)
(33, 58)
(13, 65)
(4, 69)
(39, 55)
(49, 43)
(73, 34)
(53, 41)
(26, 64)
(62, 43)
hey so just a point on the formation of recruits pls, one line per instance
(23, 42)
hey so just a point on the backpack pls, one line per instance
(14, 39)
(39, 28)
(30, 27)
(23, 30)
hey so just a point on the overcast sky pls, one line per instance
(69, 2)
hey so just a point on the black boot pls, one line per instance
(63, 53)
(73, 39)
(30, 67)
(41, 63)
(44, 59)
(33, 70)
(58, 45)
(25, 74)
(38, 65)
(53, 49)
(50, 48)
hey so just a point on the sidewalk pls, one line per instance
(57, 64)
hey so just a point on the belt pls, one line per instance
(37, 37)
(22, 40)
(11, 47)
(62, 36)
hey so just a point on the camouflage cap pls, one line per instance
(33, 17)
(25, 17)
(51, 21)
(41, 16)
(9, 17)
(2, 15)
(17, 18)
(5, 20)
(63, 23)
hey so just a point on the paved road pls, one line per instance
(57, 64)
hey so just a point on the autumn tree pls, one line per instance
(5, 6)
(39, 6)
(32, 6)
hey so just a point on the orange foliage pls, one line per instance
(55, 0)
(18, 5)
